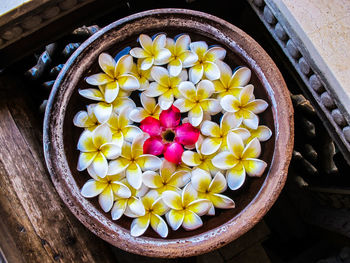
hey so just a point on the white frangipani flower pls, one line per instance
(96, 147)
(86, 119)
(150, 109)
(181, 56)
(211, 189)
(143, 76)
(153, 52)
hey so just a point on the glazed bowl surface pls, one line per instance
(253, 200)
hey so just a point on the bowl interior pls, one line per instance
(242, 197)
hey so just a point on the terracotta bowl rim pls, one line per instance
(63, 180)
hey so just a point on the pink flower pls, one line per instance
(167, 135)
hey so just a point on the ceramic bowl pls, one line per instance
(253, 200)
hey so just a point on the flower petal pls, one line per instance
(187, 90)
(128, 82)
(228, 122)
(182, 43)
(191, 221)
(120, 190)
(103, 111)
(92, 94)
(153, 146)
(117, 166)
(215, 53)
(235, 144)
(191, 158)
(250, 119)
(151, 126)
(147, 102)
(159, 41)
(184, 105)
(167, 170)
(228, 103)
(254, 167)
(155, 89)
(105, 199)
(222, 201)
(199, 206)
(107, 64)
(205, 89)
(158, 224)
(210, 128)
(111, 91)
(196, 73)
(186, 134)
(149, 162)
(172, 200)
(180, 178)
(147, 63)
(162, 56)
(139, 53)
(246, 94)
(200, 180)
(92, 188)
(263, 133)
(145, 42)
(235, 177)
(98, 79)
(152, 179)
(101, 135)
(110, 150)
(252, 150)
(242, 132)
(166, 100)
(131, 132)
(199, 47)
(175, 67)
(118, 208)
(173, 152)
(120, 103)
(134, 175)
(195, 115)
(211, 106)
(211, 145)
(189, 194)
(240, 77)
(211, 71)
(137, 145)
(100, 165)
(135, 206)
(138, 114)
(85, 142)
(124, 66)
(224, 160)
(175, 218)
(188, 59)
(85, 160)
(170, 118)
(139, 225)
(218, 184)
(257, 106)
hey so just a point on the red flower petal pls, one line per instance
(186, 134)
(153, 146)
(170, 118)
(151, 126)
(173, 152)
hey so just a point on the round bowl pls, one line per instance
(253, 200)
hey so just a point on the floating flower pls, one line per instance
(152, 52)
(181, 56)
(133, 161)
(150, 109)
(96, 147)
(262, 133)
(217, 135)
(167, 179)
(86, 119)
(205, 65)
(240, 160)
(245, 106)
(211, 189)
(131, 206)
(155, 208)
(167, 136)
(198, 159)
(165, 86)
(105, 188)
(121, 127)
(195, 101)
(116, 75)
(143, 76)
(229, 84)
(185, 209)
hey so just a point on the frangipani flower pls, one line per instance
(195, 101)
(262, 133)
(96, 147)
(86, 119)
(167, 179)
(240, 160)
(205, 65)
(165, 86)
(229, 84)
(131, 206)
(133, 161)
(181, 56)
(152, 52)
(154, 209)
(102, 109)
(198, 159)
(185, 209)
(116, 75)
(167, 136)
(245, 106)
(217, 135)
(211, 189)
(143, 76)
(121, 127)
(150, 109)
(105, 188)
